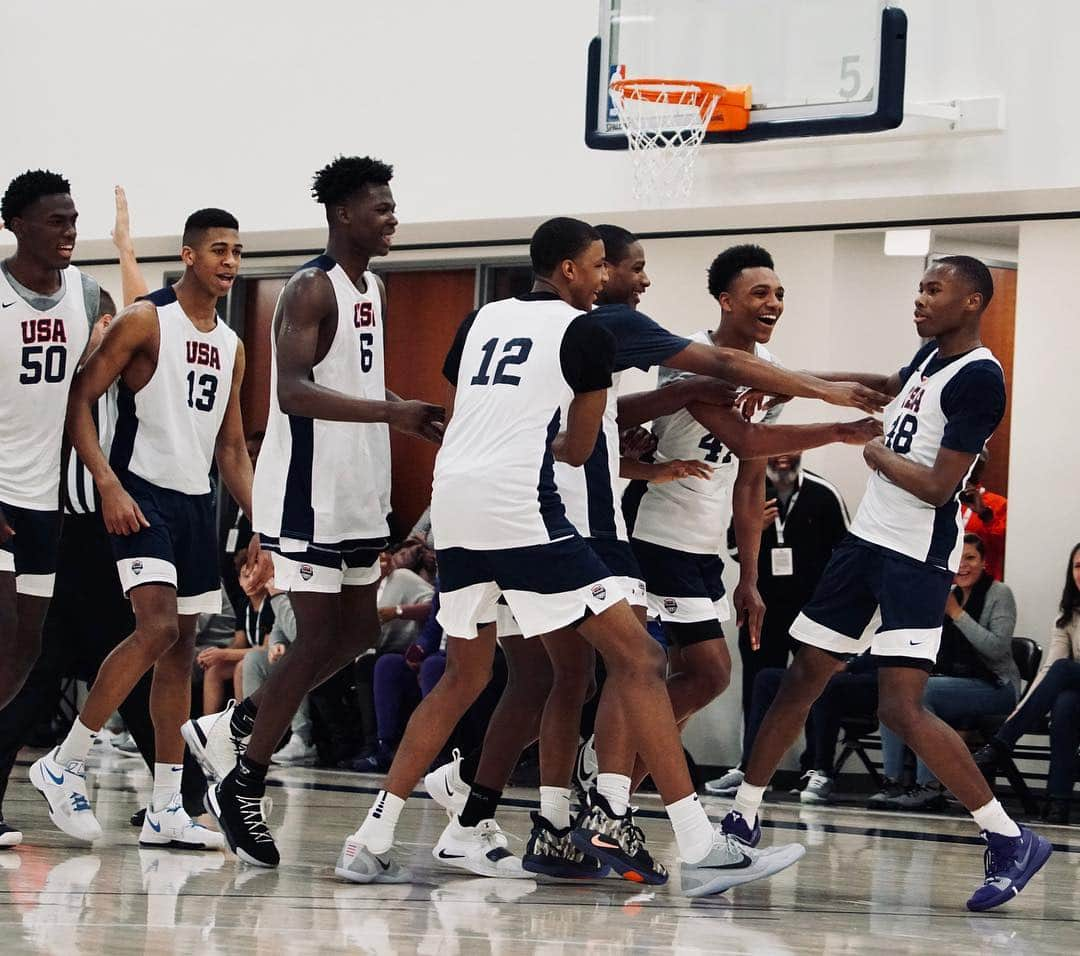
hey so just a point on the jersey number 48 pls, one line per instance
(714, 449)
(901, 434)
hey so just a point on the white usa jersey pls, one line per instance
(954, 404)
(328, 482)
(167, 430)
(517, 364)
(691, 514)
(39, 352)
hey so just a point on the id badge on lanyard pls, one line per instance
(783, 558)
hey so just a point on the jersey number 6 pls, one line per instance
(517, 351)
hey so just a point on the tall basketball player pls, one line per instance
(46, 309)
(900, 558)
(322, 485)
(180, 369)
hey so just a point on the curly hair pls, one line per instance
(28, 188)
(726, 266)
(347, 175)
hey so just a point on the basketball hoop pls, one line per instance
(665, 122)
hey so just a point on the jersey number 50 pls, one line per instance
(40, 363)
(517, 351)
(901, 434)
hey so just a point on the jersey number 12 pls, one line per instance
(517, 351)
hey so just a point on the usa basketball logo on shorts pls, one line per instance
(599, 592)
(671, 605)
(136, 567)
(306, 571)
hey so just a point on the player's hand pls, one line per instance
(387, 614)
(6, 531)
(674, 470)
(712, 391)
(275, 652)
(210, 656)
(421, 419)
(121, 230)
(636, 443)
(855, 395)
(873, 451)
(258, 569)
(771, 512)
(120, 512)
(752, 401)
(749, 610)
(859, 432)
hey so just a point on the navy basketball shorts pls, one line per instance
(685, 592)
(620, 560)
(546, 586)
(324, 568)
(861, 579)
(179, 548)
(30, 553)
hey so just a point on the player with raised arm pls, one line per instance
(322, 486)
(899, 559)
(180, 369)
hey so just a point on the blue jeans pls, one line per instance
(957, 701)
(1057, 694)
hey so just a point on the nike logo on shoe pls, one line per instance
(599, 841)
(449, 789)
(8, 305)
(59, 781)
(443, 855)
(156, 827)
(741, 865)
(385, 866)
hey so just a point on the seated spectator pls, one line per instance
(300, 748)
(401, 680)
(404, 601)
(985, 514)
(219, 664)
(1055, 691)
(975, 675)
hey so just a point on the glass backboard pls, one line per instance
(815, 67)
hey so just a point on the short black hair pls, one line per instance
(559, 239)
(347, 175)
(202, 219)
(28, 188)
(617, 242)
(106, 304)
(726, 266)
(973, 272)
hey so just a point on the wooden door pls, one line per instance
(260, 298)
(998, 333)
(425, 310)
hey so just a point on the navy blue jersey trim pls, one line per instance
(324, 262)
(944, 535)
(127, 425)
(598, 490)
(631, 502)
(552, 510)
(159, 297)
(297, 511)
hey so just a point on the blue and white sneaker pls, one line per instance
(1010, 863)
(172, 827)
(734, 824)
(64, 788)
(730, 863)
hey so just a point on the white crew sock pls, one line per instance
(76, 744)
(693, 829)
(994, 819)
(377, 830)
(747, 801)
(166, 784)
(615, 788)
(555, 806)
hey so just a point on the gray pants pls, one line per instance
(257, 669)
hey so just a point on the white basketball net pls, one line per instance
(664, 130)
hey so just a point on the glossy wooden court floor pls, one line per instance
(870, 882)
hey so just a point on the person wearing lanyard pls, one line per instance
(805, 517)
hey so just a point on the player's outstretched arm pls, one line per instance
(748, 506)
(308, 302)
(640, 407)
(935, 484)
(886, 384)
(133, 332)
(230, 449)
(583, 419)
(757, 440)
(741, 368)
(132, 283)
